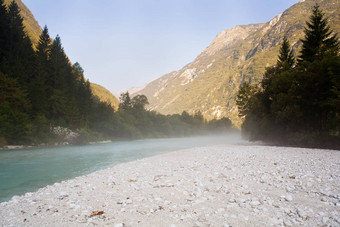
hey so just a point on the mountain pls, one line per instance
(210, 83)
(104, 95)
(34, 30)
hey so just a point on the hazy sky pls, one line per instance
(128, 43)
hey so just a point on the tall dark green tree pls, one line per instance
(286, 59)
(63, 106)
(83, 94)
(44, 46)
(38, 91)
(319, 39)
(4, 32)
(21, 55)
(14, 105)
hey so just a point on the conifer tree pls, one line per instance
(286, 58)
(21, 55)
(38, 86)
(44, 45)
(318, 39)
(4, 30)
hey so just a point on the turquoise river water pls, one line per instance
(27, 170)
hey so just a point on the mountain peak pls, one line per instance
(229, 37)
(210, 83)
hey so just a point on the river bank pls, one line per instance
(237, 185)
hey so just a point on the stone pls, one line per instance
(254, 203)
(288, 198)
(119, 225)
(337, 219)
(287, 223)
(302, 214)
(325, 220)
(276, 204)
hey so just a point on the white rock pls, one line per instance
(254, 203)
(288, 198)
(325, 220)
(119, 225)
(337, 219)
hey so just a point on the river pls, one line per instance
(27, 170)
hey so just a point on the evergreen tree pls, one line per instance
(38, 93)
(318, 39)
(83, 94)
(14, 105)
(21, 55)
(286, 58)
(4, 30)
(63, 106)
(44, 46)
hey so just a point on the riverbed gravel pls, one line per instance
(229, 185)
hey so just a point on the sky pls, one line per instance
(128, 43)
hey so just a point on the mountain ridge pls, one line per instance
(210, 83)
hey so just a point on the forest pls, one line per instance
(43, 96)
(298, 101)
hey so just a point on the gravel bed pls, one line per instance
(236, 185)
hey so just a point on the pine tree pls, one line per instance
(286, 58)
(63, 105)
(21, 55)
(44, 45)
(318, 39)
(38, 87)
(14, 105)
(4, 30)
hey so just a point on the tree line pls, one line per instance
(40, 89)
(298, 100)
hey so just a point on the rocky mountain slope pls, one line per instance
(34, 30)
(210, 83)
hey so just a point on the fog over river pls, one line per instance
(27, 170)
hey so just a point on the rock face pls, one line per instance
(210, 83)
(225, 185)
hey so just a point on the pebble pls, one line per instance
(119, 225)
(288, 198)
(325, 220)
(254, 203)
